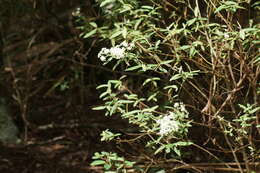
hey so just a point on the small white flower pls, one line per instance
(100, 53)
(226, 35)
(105, 51)
(180, 106)
(183, 109)
(176, 105)
(127, 45)
(103, 54)
(124, 44)
(117, 52)
(130, 46)
(102, 58)
(168, 124)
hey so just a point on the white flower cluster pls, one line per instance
(117, 52)
(168, 124)
(172, 122)
(180, 106)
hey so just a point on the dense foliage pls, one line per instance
(197, 84)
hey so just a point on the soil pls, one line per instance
(60, 139)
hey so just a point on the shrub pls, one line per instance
(190, 79)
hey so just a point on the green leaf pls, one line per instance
(177, 151)
(153, 97)
(150, 80)
(97, 162)
(220, 8)
(107, 166)
(125, 8)
(114, 108)
(89, 34)
(181, 143)
(93, 24)
(116, 34)
(184, 47)
(105, 2)
(133, 68)
(193, 51)
(147, 7)
(175, 77)
(242, 34)
(103, 94)
(151, 109)
(196, 12)
(99, 108)
(166, 62)
(124, 32)
(157, 44)
(126, 101)
(252, 111)
(130, 113)
(175, 87)
(108, 136)
(190, 22)
(131, 96)
(159, 149)
(161, 171)
(102, 86)
(137, 23)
